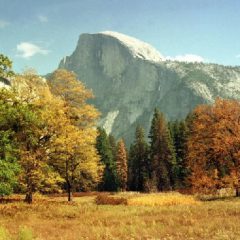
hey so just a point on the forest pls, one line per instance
(50, 142)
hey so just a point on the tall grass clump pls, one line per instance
(25, 234)
(4, 234)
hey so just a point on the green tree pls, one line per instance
(122, 168)
(113, 145)
(138, 161)
(9, 167)
(5, 67)
(162, 155)
(178, 130)
(105, 151)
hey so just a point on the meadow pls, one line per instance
(51, 218)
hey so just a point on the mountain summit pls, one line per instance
(138, 48)
(130, 78)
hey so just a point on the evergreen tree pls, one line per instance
(162, 154)
(178, 130)
(122, 168)
(105, 151)
(138, 161)
(131, 170)
(113, 145)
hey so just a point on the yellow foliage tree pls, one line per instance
(73, 151)
(75, 95)
(63, 135)
(33, 135)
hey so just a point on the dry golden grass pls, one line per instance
(154, 199)
(166, 199)
(53, 218)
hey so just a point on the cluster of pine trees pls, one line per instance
(158, 166)
(114, 159)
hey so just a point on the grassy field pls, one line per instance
(157, 216)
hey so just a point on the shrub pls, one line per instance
(110, 200)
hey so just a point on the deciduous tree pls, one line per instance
(5, 67)
(122, 168)
(9, 167)
(75, 141)
(214, 146)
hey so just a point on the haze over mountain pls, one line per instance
(130, 78)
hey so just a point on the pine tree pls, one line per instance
(113, 145)
(178, 131)
(162, 155)
(131, 171)
(138, 161)
(106, 151)
(122, 168)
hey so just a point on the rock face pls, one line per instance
(4, 82)
(130, 78)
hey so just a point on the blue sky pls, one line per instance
(39, 33)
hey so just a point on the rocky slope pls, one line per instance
(130, 78)
(4, 82)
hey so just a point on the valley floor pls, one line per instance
(53, 218)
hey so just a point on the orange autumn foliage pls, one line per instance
(214, 146)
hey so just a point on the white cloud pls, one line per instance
(42, 18)
(27, 50)
(3, 23)
(187, 58)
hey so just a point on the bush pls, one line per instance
(110, 200)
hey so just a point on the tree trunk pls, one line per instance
(28, 197)
(69, 190)
(237, 192)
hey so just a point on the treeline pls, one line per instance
(201, 152)
(49, 143)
